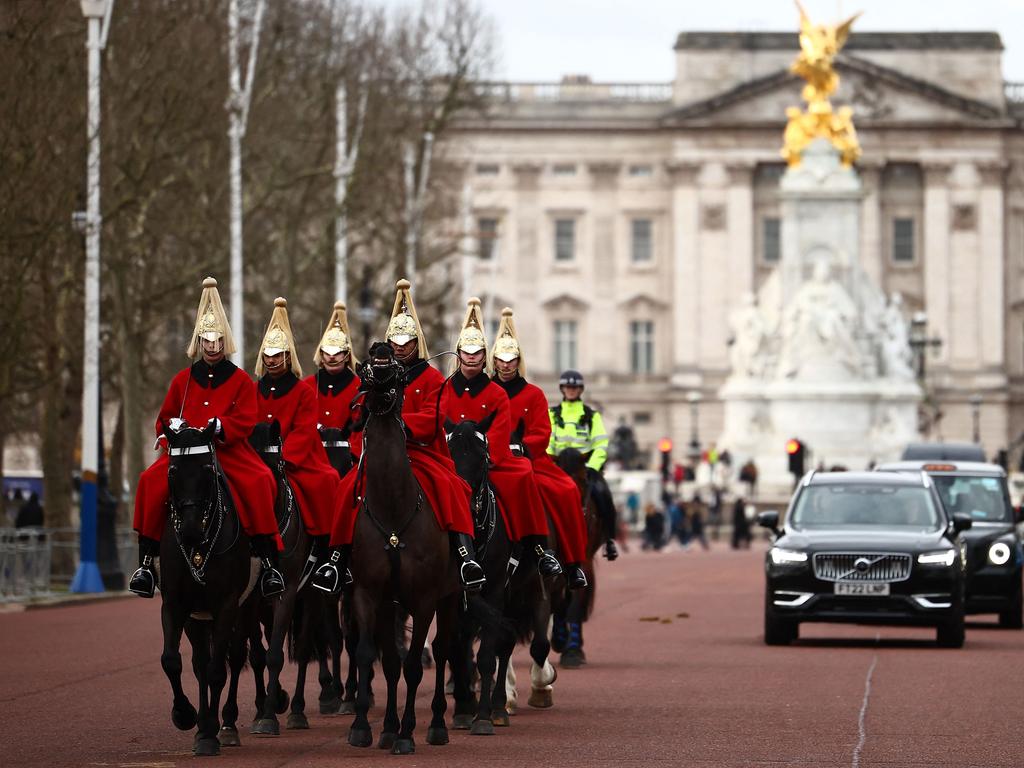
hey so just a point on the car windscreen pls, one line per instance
(983, 498)
(866, 506)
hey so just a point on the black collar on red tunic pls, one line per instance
(414, 370)
(333, 383)
(212, 376)
(474, 386)
(512, 387)
(279, 387)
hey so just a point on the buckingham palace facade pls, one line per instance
(624, 222)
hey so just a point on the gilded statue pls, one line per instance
(819, 45)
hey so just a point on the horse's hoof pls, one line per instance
(572, 659)
(500, 720)
(297, 721)
(330, 706)
(462, 722)
(347, 708)
(437, 736)
(206, 747)
(266, 726)
(228, 737)
(482, 728)
(360, 737)
(184, 719)
(282, 701)
(403, 746)
(387, 740)
(541, 699)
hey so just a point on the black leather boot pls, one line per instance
(575, 576)
(271, 580)
(334, 574)
(611, 552)
(547, 563)
(471, 575)
(143, 581)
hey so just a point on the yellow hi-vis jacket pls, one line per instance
(575, 425)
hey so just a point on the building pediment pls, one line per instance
(877, 94)
(565, 302)
(643, 302)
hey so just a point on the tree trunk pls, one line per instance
(116, 463)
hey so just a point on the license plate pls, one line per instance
(861, 589)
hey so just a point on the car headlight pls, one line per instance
(945, 557)
(999, 553)
(782, 556)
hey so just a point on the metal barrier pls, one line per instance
(25, 556)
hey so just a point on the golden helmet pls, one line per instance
(279, 338)
(337, 337)
(211, 321)
(405, 325)
(471, 337)
(506, 345)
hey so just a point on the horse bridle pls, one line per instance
(199, 557)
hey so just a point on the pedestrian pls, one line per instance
(697, 523)
(748, 475)
(740, 525)
(677, 521)
(31, 513)
(654, 528)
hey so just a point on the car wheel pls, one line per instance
(1013, 617)
(950, 633)
(779, 631)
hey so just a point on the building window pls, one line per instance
(487, 236)
(902, 240)
(641, 170)
(487, 169)
(772, 231)
(643, 249)
(565, 345)
(641, 346)
(564, 169)
(565, 239)
(641, 417)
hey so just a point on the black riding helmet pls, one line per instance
(570, 378)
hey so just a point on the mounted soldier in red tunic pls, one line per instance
(213, 390)
(470, 394)
(428, 454)
(335, 385)
(529, 413)
(282, 397)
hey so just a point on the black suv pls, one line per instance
(865, 548)
(995, 556)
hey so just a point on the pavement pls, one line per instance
(678, 676)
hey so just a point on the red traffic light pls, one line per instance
(665, 445)
(793, 447)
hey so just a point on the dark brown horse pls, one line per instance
(400, 557)
(574, 608)
(204, 569)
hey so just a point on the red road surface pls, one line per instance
(678, 676)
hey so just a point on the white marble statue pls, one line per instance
(897, 358)
(747, 342)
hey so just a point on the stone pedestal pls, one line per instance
(820, 355)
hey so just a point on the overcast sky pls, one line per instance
(631, 40)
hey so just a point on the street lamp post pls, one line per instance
(975, 400)
(694, 399)
(87, 577)
(929, 414)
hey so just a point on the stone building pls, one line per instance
(624, 222)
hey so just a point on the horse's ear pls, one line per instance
(166, 430)
(449, 425)
(275, 429)
(486, 423)
(211, 431)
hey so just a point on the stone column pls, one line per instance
(524, 266)
(685, 273)
(604, 323)
(991, 298)
(740, 216)
(937, 278)
(871, 256)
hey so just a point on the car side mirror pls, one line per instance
(769, 519)
(961, 522)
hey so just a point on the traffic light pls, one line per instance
(797, 453)
(665, 447)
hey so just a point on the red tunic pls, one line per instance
(512, 476)
(311, 475)
(227, 393)
(529, 407)
(431, 464)
(334, 394)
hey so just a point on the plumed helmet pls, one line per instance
(278, 338)
(211, 321)
(570, 379)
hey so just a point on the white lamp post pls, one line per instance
(87, 577)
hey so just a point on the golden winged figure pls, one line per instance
(819, 45)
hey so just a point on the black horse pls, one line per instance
(266, 440)
(204, 569)
(400, 556)
(513, 592)
(575, 608)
